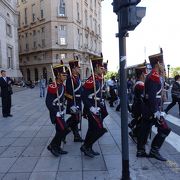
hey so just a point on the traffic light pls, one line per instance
(118, 4)
(130, 15)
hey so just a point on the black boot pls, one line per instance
(53, 150)
(133, 137)
(86, 151)
(77, 137)
(156, 145)
(155, 154)
(95, 153)
(141, 153)
(94, 138)
(60, 151)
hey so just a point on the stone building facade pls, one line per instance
(54, 30)
(9, 58)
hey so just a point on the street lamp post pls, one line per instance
(168, 67)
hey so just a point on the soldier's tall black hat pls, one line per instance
(105, 64)
(60, 69)
(74, 63)
(140, 70)
(156, 59)
(97, 62)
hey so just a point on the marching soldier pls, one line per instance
(91, 96)
(54, 103)
(152, 114)
(73, 96)
(138, 102)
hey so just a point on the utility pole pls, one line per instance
(129, 16)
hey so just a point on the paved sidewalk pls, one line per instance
(23, 153)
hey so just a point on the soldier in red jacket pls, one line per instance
(152, 114)
(138, 103)
(73, 97)
(55, 105)
(91, 97)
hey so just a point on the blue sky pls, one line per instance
(159, 28)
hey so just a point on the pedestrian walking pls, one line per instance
(6, 92)
(175, 93)
(91, 96)
(55, 105)
(112, 86)
(42, 86)
(151, 113)
(73, 96)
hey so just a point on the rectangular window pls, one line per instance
(78, 13)
(25, 16)
(42, 9)
(91, 4)
(99, 29)
(95, 25)
(34, 32)
(9, 30)
(10, 57)
(91, 21)
(42, 29)
(61, 9)
(34, 44)
(43, 43)
(78, 35)
(62, 35)
(33, 13)
(27, 47)
(19, 20)
(86, 17)
(63, 56)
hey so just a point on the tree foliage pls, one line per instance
(174, 71)
(110, 74)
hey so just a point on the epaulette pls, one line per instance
(154, 76)
(140, 85)
(52, 88)
(89, 84)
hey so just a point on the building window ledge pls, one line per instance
(60, 16)
(33, 23)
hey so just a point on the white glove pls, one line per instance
(74, 109)
(59, 114)
(163, 114)
(95, 110)
(157, 114)
(102, 103)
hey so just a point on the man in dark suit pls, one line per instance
(6, 92)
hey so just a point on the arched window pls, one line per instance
(36, 74)
(28, 75)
